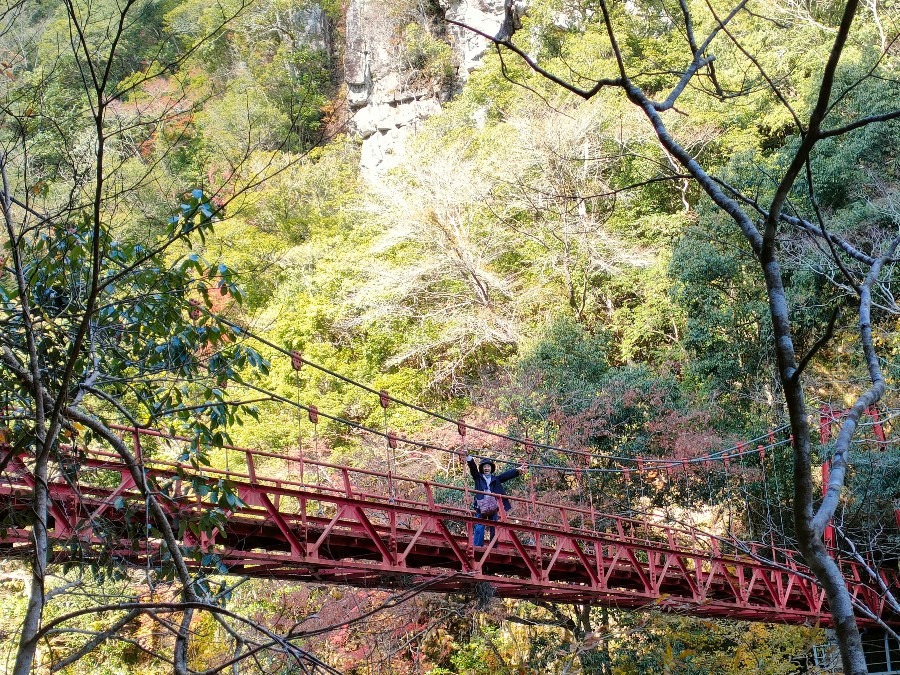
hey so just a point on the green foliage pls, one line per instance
(683, 645)
(520, 244)
(571, 362)
(871, 501)
(727, 331)
(430, 56)
(563, 390)
(852, 172)
(142, 328)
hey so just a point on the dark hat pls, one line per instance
(487, 461)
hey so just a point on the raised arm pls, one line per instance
(509, 474)
(473, 468)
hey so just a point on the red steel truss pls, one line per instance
(312, 521)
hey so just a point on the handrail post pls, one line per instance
(251, 468)
(429, 496)
(346, 476)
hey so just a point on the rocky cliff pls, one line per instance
(402, 61)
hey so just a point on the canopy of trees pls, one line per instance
(578, 250)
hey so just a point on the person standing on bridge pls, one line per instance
(486, 506)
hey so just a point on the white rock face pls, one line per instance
(315, 27)
(386, 127)
(498, 18)
(388, 98)
(368, 58)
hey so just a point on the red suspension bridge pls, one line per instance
(299, 518)
(321, 522)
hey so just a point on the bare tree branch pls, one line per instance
(840, 460)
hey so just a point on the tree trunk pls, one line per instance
(36, 596)
(809, 537)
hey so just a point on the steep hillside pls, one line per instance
(572, 223)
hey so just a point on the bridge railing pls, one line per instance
(286, 475)
(401, 501)
(325, 484)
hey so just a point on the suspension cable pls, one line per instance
(496, 434)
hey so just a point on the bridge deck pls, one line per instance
(347, 531)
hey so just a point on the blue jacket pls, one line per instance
(497, 482)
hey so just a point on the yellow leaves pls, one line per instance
(674, 663)
(40, 188)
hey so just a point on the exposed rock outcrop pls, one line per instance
(398, 69)
(499, 18)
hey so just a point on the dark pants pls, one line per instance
(478, 533)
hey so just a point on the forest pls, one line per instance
(642, 250)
